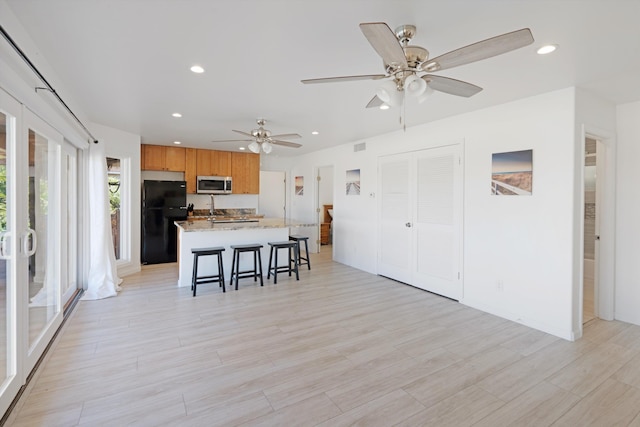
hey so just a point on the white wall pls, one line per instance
(526, 242)
(126, 147)
(627, 248)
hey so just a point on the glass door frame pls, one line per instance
(31, 352)
(15, 341)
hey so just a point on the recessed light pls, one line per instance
(384, 107)
(241, 148)
(547, 49)
(315, 132)
(177, 142)
(177, 115)
(197, 69)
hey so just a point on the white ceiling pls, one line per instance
(125, 63)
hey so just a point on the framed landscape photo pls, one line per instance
(353, 182)
(512, 173)
(299, 185)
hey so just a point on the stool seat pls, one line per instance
(199, 280)
(257, 263)
(292, 264)
(302, 260)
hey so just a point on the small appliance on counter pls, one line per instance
(163, 202)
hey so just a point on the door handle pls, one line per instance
(4, 239)
(408, 225)
(25, 242)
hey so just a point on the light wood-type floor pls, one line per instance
(339, 347)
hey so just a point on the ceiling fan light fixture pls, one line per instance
(267, 147)
(389, 94)
(414, 86)
(254, 147)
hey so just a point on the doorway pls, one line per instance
(324, 207)
(590, 282)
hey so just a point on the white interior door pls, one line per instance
(420, 229)
(271, 201)
(395, 218)
(438, 219)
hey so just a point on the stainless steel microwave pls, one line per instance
(214, 185)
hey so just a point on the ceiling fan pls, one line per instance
(262, 138)
(409, 68)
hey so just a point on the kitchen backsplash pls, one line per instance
(224, 201)
(226, 212)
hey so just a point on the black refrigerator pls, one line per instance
(163, 202)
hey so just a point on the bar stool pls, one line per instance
(257, 263)
(298, 238)
(199, 280)
(293, 259)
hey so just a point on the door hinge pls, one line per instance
(318, 178)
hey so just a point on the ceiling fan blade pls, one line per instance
(451, 86)
(285, 143)
(375, 102)
(384, 42)
(243, 133)
(234, 140)
(345, 78)
(481, 50)
(286, 135)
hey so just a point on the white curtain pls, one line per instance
(103, 275)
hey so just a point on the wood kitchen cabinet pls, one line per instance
(245, 170)
(162, 158)
(190, 169)
(213, 163)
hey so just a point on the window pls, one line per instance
(114, 179)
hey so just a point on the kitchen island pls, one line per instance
(204, 233)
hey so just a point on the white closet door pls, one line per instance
(437, 222)
(395, 234)
(420, 211)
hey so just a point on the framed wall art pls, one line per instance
(512, 173)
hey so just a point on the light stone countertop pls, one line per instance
(202, 225)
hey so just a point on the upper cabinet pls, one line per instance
(190, 169)
(213, 163)
(245, 170)
(162, 158)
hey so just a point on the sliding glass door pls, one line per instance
(41, 234)
(31, 240)
(10, 377)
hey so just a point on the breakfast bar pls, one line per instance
(207, 233)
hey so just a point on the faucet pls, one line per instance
(212, 205)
